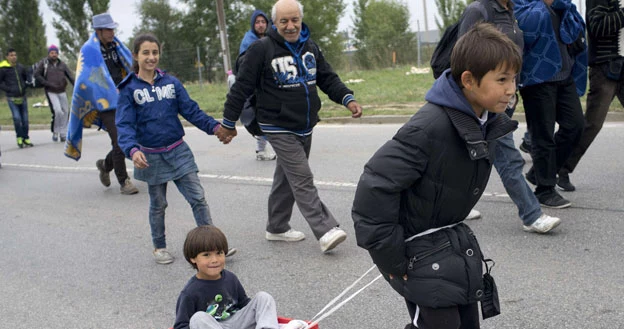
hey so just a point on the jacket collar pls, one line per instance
(470, 131)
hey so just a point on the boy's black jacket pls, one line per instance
(429, 175)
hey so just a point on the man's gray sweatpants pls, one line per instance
(261, 312)
(293, 182)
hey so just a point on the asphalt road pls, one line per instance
(74, 254)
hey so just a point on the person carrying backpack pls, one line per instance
(13, 76)
(508, 160)
(259, 26)
(53, 74)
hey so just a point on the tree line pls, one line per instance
(380, 28)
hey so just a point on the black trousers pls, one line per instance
(115, 159)
(601, 93)
(544, 105)
(456, 317)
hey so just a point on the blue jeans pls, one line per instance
(190, 187)
(20, 117)
(509, 164)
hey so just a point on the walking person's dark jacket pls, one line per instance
(56, 76)
(605, 19)
(430, 175)
(287, 97)
(13, 79)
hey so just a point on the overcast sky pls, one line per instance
(124, 12)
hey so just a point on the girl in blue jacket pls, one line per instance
(151, 134)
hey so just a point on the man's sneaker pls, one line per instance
(331, 239)
(162, 256)
(290, 235)
(524, 147)
(474, 214)
(28, 143)
(20, 142)
(543, 224)
(231, 252)
(63, 138)
(54, 137)
(564, 184)
(128, 188)
(551, 199)
(104, 175)
(265, 155)
(530, 177)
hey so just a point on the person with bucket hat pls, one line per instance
(53, 74)
(103, 63)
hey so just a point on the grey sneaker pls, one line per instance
(128, 188)
(543, 224)
(474, 214)
(104, 175)
(290, 235)
(162, 256)
(265, 155)
(331, 239)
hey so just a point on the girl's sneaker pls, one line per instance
(162, 256)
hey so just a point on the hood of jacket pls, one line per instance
(294, 47)
(251, 36)
(5, 63)
(439, 95)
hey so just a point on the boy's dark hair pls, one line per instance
(204, 238)
(9, 50)
(483, 49)
(136, 46)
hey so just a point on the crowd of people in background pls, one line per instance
(540, 50)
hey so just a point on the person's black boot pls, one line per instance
(563, 182)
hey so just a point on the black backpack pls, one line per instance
(441, 58)
(32, 82)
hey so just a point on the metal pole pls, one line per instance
(418, 42)
(425, 13)
(199, 68)
(225, 50)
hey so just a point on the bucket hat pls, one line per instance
(104, 21)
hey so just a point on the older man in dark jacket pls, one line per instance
(284, 70)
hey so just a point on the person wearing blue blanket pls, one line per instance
(553, 76)
(151, 134)
(102, 63)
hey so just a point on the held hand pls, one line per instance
(549, 2)
(139, 160)
(355, 108)
(225, 135)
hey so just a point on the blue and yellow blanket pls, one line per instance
(94, 91)
(542, 59)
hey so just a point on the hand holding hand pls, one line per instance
(225, 135)
(355, 108)
(139, 160)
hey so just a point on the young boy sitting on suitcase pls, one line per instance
(420, 185)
